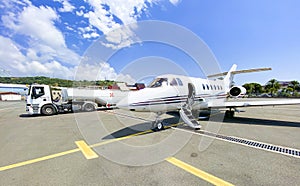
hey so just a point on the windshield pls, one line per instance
(29, 89)
(158, 82)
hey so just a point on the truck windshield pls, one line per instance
(29, 89)
(158, 82)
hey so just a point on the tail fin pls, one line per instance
(228, 79)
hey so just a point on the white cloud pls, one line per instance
(103, 16)
(67, 6)
(46, 52)
(120, 38)
(125, 78)
(101, 19)
(100, 71)
(90, 35)
(10, 55)
(38, 24)
(20, 64)
(109, 15)
(79, 13)
(175, 2)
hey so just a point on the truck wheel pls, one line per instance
(48, 110)
(89, 107)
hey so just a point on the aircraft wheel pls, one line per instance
(157, 126)
(48, 110)
(160, 126)
(229, 114)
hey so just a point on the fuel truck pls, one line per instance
(47, 100)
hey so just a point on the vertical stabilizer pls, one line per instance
(228, 79)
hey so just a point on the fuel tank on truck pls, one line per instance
(106, 97)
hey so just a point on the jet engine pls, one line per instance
(237, 91)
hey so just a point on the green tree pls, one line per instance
(294, 85)
(272, 86)
(249, 87)
(257, 88)
(253, 88)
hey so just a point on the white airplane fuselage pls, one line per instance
(184, 94)
(169, 93)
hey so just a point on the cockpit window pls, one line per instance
(179, 82)
(173, 82)
(158, 82)
(176, 82)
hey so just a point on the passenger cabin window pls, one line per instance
(158, 82)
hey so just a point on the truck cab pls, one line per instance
(38, 96)
(42, 99)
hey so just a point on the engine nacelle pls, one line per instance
(237, 91)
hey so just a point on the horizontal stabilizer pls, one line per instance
(240, 72)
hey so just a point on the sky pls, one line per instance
(58, 38)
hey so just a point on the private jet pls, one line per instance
(187, 94)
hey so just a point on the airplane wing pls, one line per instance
(251, 103)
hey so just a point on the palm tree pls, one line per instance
(257, 88)
(253, 88)
(294, 85)
(249, 87)
(272, 86)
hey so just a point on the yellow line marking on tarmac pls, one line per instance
(130, 136)
(86, 150)
(28, 162)
(197, 172)
(38, 159)
(89, 154)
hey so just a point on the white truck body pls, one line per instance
(43, 99)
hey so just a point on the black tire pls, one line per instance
(89, 107)
(229, 114)
(157, 126)
(48, 110)
(160, 126)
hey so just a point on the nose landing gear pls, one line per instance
(158, 124)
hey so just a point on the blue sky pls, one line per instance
(51, 39)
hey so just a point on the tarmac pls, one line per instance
(116, 147)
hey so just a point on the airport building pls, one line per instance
(10, 96)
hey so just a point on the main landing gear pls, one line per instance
(229, 113)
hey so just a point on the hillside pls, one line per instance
(54, 81)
